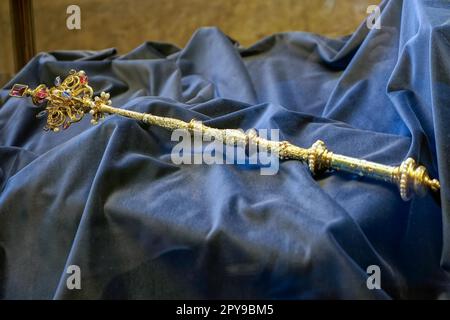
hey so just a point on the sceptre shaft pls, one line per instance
(70, 99)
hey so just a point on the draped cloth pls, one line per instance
(108, 198)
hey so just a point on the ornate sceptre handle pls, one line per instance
(69, 100)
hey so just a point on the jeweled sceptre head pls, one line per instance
(66, 102)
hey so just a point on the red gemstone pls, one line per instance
(18, 90)
(41, 95)
(83, 79)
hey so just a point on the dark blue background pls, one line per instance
(108, 198)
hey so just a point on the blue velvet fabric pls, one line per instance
(108, 198)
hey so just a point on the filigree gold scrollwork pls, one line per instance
(67, 101)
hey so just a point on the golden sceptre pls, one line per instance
(70, 99)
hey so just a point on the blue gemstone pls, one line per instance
(57, 81)
(66, 94)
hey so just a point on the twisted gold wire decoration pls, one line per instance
(69, 100)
